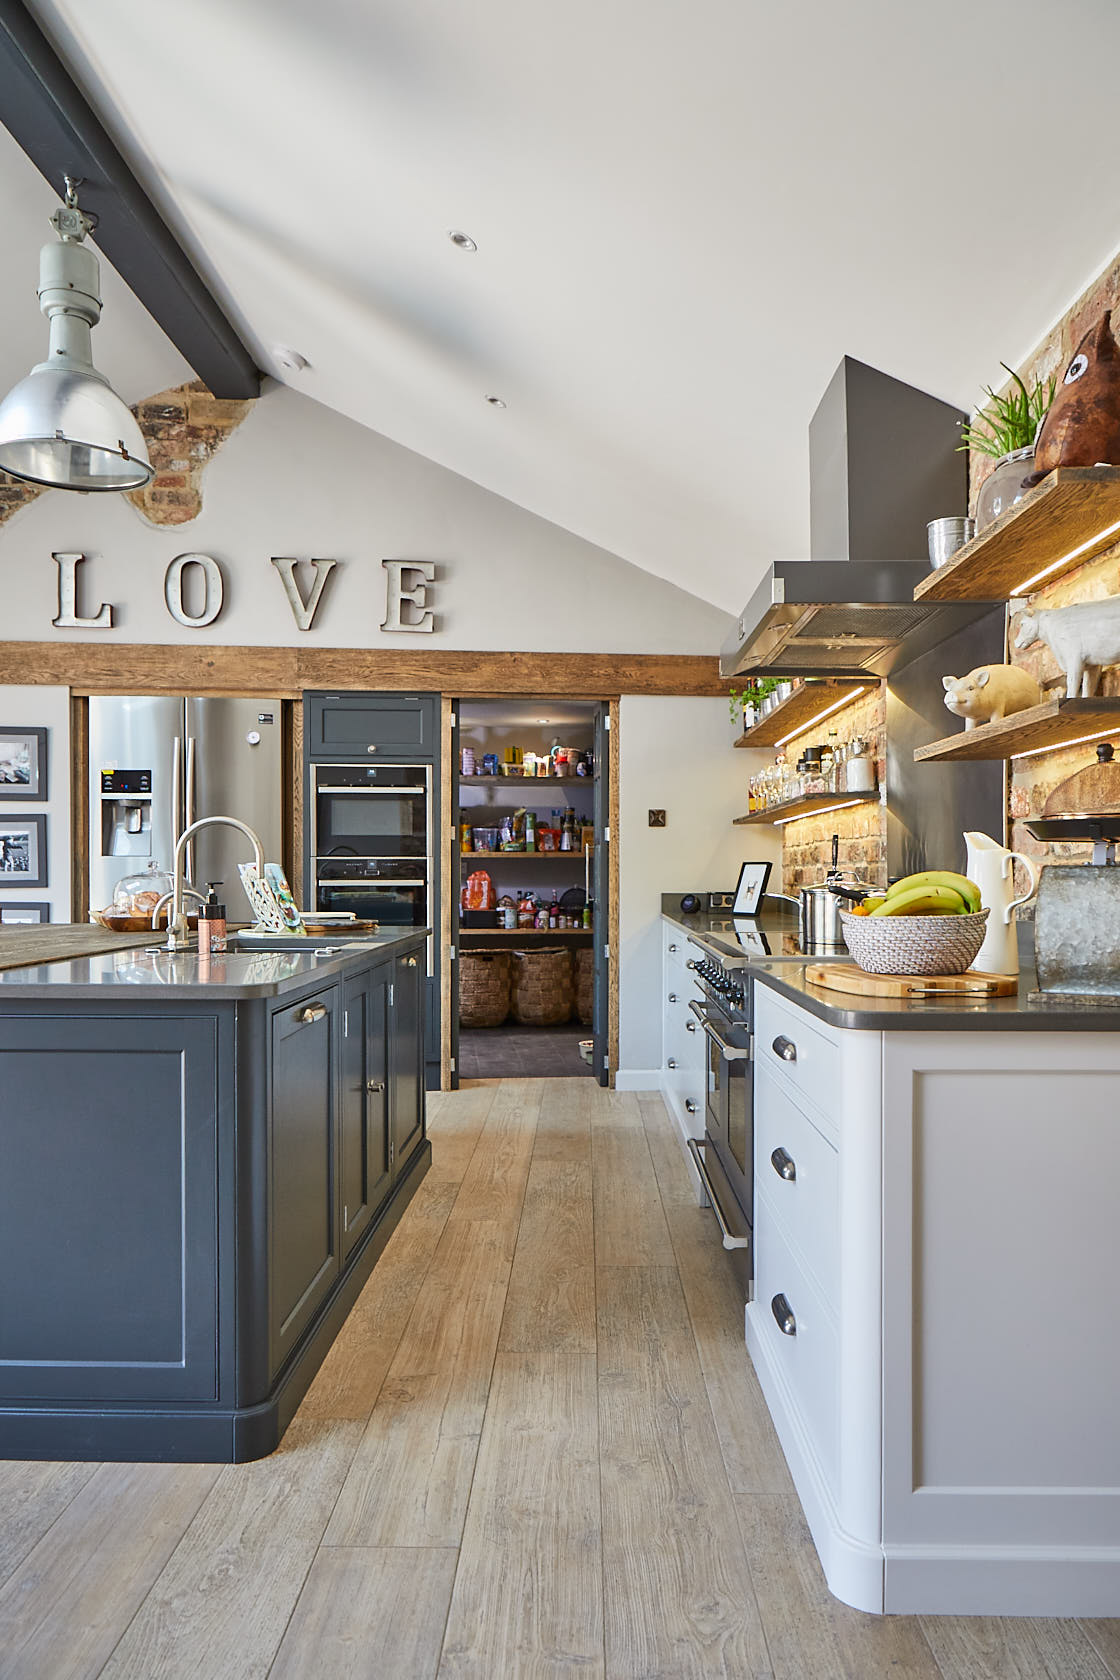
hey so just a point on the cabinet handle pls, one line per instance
(673, 948)
(783, 1315)
(375, 1084)
(783, 1164)
(672, 1062)
(690, 1026)
(410, 962)
(371, 749)
(672, 997)
(785, 1048)
(690, 1105)
(313, 1012)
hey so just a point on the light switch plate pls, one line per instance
(657, 819)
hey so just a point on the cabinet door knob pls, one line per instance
(785, 1048)
(690, 1026)
(673, 948)
(410, 962)
(672, 1062)
(371, 749)
(375, 1084)
(783, 1315)
(690, 1105)
(313, 1012)
(783, 1164)
(672, 997)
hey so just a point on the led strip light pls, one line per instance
(819, 811)
(803, 728)
(1074, 553)
(1077, 741)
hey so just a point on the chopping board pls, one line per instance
(844, 977)
(34, 943)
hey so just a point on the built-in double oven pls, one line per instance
(371, 841)
(725, 1155)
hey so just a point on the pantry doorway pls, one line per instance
(530, 879)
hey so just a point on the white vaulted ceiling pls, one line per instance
(685, 216)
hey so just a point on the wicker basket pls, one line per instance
(541, 991)
(585, 985)
(914, 944)
(483, 988)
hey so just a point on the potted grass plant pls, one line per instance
(1006, 428)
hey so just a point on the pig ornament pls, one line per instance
(1083, 638)
(989, 692)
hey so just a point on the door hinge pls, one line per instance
(606, 953)
(607, 722)
(390, 994)
(454, 720)
(451, 953)
(452, 1064)
(346, 1023)
(606, 831)
(605, 1060)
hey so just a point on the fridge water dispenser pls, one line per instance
(126, 813)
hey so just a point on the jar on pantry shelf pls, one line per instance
(860, 768)
(467, 761)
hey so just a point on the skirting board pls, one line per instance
(647, 1080)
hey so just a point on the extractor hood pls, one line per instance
(883, 461)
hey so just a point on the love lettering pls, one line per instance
(199, 577)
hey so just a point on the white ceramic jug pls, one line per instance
(989, 865)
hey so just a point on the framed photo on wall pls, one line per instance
(23, 850)
(24, 912)
(23, 764)
(748, 893)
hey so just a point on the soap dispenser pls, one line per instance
(211, 923)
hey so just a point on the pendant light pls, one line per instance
(64, 426)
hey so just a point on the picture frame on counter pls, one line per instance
(750, 888)
(23, 763)
(27, 912)
(23, 850)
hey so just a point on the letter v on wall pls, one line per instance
(304, 607)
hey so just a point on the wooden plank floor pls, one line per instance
(537, 1449)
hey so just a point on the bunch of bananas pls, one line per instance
(933, 892)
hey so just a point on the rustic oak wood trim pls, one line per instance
(291, 723)
(284, 672)
(449, 760)
(79, 808)
(613, 807)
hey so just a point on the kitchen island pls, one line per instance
(203, 1159)
(934, 1316)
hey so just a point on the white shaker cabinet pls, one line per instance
(683, 1044)
(936, 1321)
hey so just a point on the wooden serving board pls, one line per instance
(845, 977)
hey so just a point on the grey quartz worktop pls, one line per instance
(153, 974)
(783, 969)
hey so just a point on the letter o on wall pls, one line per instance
(213, 586)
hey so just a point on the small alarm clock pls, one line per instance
(690, 904)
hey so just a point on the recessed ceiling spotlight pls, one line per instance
(496, 402)
(290, 358)
(462, 240)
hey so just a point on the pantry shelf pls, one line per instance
(1054, 724)
(562, 857)
(807, 705)
(472, 934)
(814, 804)
(1072, 515)
(538, 784)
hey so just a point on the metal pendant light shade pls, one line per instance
(64, 426)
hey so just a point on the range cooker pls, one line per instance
(724, 1156)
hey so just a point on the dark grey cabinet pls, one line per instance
(108, 1208)
(365, 1169)
(356, 726)
(304, 1248)
(406, 1068)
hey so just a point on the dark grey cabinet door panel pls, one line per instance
(304, 1254)
(364, 1132)
(406, 1107)
(108, 1207)
(404, 726)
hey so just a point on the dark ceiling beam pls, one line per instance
(50, 118)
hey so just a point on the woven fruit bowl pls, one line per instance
(914, 944)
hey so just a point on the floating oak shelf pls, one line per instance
(1054, 724)
(524, 933)
(1072, 515)
(814, 804)
(813, 700)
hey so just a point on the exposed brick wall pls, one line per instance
(807, 843)
(184, 428)
(1034, 779)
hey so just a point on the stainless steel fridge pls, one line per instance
(157, 763)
